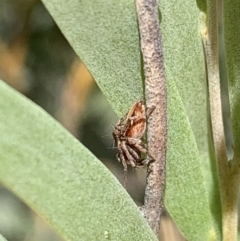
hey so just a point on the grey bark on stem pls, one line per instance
(156, 97)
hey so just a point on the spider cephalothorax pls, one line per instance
(128, 134)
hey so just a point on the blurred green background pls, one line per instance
(36, 59)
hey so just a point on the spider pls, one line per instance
(128, 134)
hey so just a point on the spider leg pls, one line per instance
(137, 143)
(121, 158)
(125, 176)
(124, 173)
(136, 119)
(133, 152)
(130, 159)
(150, 111)
(139, 162)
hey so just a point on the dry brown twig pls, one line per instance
(156, 97)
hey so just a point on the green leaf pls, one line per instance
(105, 36)
(231, 33)
(2, 238)
(185, 66)
(186, 195)
(60, 179)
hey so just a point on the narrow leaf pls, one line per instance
(2, 238)
(105, 36)
(231, 23)
(60, 179)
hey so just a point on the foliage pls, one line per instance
(59, 186)
(60, 179)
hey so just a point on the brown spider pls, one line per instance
(128, 134)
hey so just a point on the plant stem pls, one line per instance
(228, 179)
(156, 97)
(229, 198)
